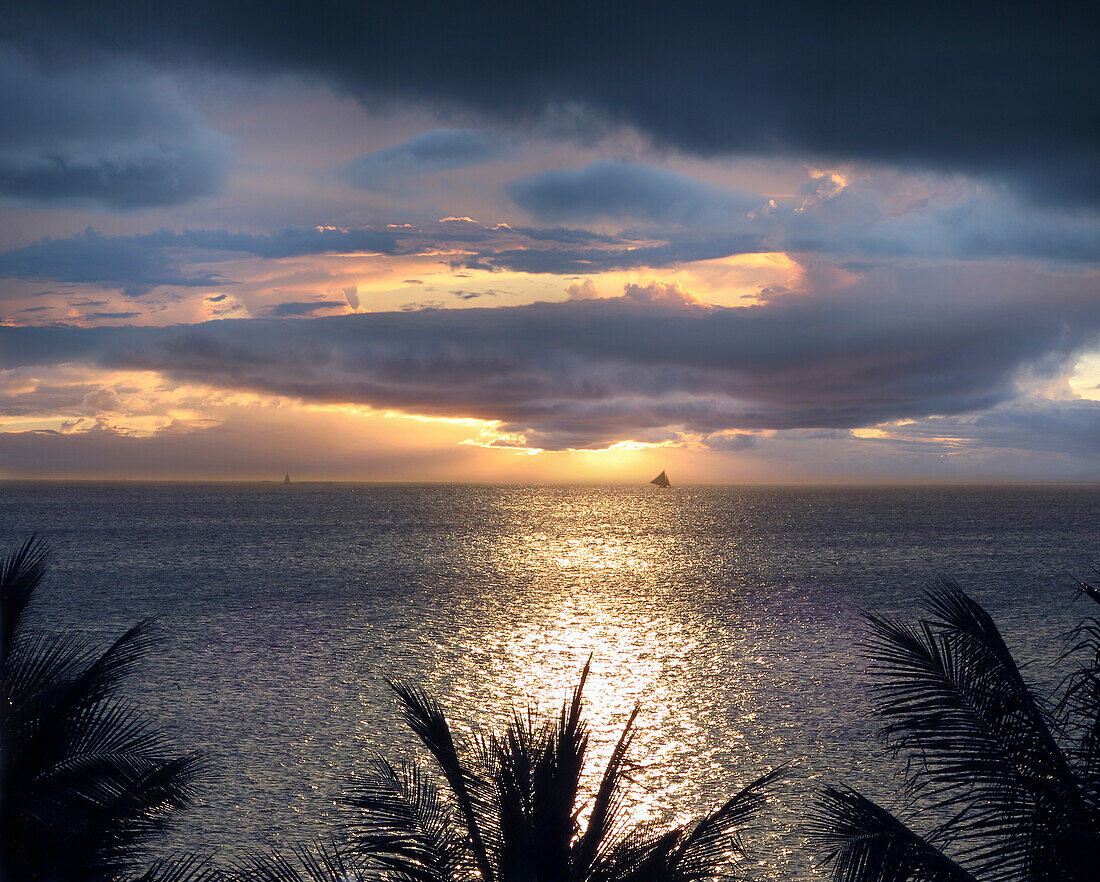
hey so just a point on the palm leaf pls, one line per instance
(514, 760)
(427, 720)
(181, 868)
(321, 861)
(1079, 704)
(21, 572)
(408, 828)
(603, 820)
(712, 841)
(641, 856)
(535, 769)
(865, 843)
(522, 786)
(982, 746)
(707, 848)
(87, 780)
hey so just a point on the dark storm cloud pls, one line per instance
(901, 344)
(57, 344)
(610, 190)
(139, 263)
(988, 88)
(436, 151)
(131, 263)
(110, 134)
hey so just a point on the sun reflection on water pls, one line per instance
(627, 670)
(589, 594)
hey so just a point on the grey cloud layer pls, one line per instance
(627, 191)
(299, 308)
(225, 451)
(862, 220)
(688, 220)
(135, 264)
(112, 135)
(138, 263)
(435, 151)
(701, 221)
(1007, 88)
(588, 373)
(1068, 427)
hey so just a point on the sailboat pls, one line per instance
(661, 480)
(286, 478)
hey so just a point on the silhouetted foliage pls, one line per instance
(322, 861)
(86, 779)
(510, 808)
(1012, 776)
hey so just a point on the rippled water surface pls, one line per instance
(731, 615)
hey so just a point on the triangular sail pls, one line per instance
(286, 479)
(661, 480)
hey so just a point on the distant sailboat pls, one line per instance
(661, 480)
(286, 479)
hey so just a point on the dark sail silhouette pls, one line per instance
(286, 479)
(661, 480)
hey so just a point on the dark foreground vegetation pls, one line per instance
(1011, 777)
(1002, 782)
(87, 781)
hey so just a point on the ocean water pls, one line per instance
(731, 615)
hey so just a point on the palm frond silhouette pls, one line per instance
(320, 861)
(1010, 775)
(86, 779)
(507, 807)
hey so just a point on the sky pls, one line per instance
(550, 242)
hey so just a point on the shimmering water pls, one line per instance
(730, 614)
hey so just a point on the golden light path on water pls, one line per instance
(632, 653)
(591, 576)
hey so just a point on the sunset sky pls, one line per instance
(565, 242)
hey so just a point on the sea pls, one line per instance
(733, 617)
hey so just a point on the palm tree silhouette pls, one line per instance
(510, 807)
(1012, 777)
(86, 780)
